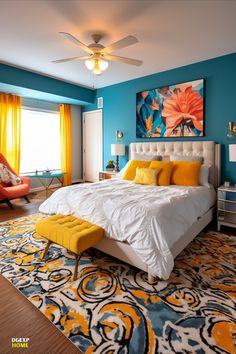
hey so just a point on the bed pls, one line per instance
(138, 230)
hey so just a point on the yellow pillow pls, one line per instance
(186, 173)
(146, 176)
(165, 169)
(130, 172)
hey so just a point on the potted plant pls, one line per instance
(110, 165)
(227, 181)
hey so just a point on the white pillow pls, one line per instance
(7, 176)
(204, 175)
(185, 158)
(145, 157)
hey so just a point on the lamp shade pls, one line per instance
(118, 149)
(90, 64)
(232, 152)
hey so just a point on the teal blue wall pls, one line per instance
(220, 104)
(28, 84)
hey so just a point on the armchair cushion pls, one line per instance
(9, 192)
(7, 177)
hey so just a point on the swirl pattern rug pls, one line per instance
(112, 309)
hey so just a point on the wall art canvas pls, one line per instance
(171, 111)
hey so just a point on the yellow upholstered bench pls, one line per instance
(73, 233)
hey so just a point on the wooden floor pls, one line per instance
(21, 207)
(19, 318)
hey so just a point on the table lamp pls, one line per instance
(117, 150)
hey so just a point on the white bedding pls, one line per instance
(149, 218)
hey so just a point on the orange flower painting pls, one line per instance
(171, 111)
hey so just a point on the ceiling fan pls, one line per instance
(96, 52)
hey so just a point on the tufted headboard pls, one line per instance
(208, 150)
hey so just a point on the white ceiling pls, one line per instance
(171, 33)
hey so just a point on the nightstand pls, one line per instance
(226, 206)
(107, 175)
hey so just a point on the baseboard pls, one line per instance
(77, 180)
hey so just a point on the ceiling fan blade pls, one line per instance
(125, 42)
(71, 59)
(130, 61)
(76, 41)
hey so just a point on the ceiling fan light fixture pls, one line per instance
(103, 64)
(97, 65)
(90, 64)
(97, 70)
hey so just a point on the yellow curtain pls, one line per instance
(10, 129)
(66, 143)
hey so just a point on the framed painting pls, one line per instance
(171, 111)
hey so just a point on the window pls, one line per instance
(40, 141)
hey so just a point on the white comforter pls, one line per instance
(150, 218)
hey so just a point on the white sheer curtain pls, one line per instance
(40, 141)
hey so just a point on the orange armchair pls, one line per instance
(12, 192)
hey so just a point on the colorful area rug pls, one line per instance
(112, 309)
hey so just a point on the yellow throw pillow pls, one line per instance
(130, 172)
(146, 176)
(165, 169)
(186, 173)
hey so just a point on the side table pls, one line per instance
(46, 179)
(226, 206)
(107, 175)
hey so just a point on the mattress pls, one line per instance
(150, 218)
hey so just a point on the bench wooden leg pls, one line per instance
(76, 267)
(46, 249)
(77, 259)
